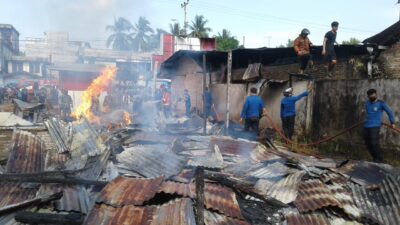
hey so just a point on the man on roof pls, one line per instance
(302, 47)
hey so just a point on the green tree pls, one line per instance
(351, 41)
(225, 41)
(175, 29)
(198, 27)
(120, 38)
(142, 33)
(155, 39)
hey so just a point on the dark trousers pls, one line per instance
(288, 126)
(251, 123)
(371, 138)
(304, 59)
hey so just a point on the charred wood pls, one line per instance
(49, 218)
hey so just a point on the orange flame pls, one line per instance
(127, 118)
(98, 85)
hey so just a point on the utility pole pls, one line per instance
(185, 23)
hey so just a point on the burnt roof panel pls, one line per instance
(26, 154)
(313, 195)
(108, 215)
(128, 191)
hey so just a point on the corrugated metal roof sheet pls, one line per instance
(107, 215)
(26, 154)
(60, 134)
(306, 219)
(252, 72)
(75, 198)
(270, 171)
(10, 119)
(342, 193)
(307, 160)
(363, 173)
(233, 147)
(152, 162)
(285, 190)
(213, 160)
(128, 191)
(12, 193)
(54, 161)
(216, 197)
(177, 212)
(212, 218)
(313, 195)
(382, 204)
(262, 153)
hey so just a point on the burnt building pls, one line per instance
(9, 44)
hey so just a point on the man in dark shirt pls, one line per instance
(373, 122)
(328, 49)
(252, 111)
(207, 98)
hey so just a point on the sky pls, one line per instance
(262, 23)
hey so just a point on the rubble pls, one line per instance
(102, 178)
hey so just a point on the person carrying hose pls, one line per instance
(373, 122)
(288, 110)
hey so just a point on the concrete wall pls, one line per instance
(237, 97)
(339, 104)
(188, 76)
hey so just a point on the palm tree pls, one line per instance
(199, 28)
(142, 33)
(225, 41)
(120, 39)
(175, 29)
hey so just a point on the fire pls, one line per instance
(127, 118)
(98, 85)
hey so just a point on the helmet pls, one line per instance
(288, 91)
(305, 31)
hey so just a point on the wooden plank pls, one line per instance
(49, 218)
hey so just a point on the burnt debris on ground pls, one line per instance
(80, 173)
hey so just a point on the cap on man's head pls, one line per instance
(334, 24)
(253, 90)
(371, 91)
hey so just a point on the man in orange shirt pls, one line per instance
(302, 46)
(166, 103)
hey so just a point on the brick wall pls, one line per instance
(390, 61)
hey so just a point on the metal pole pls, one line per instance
(228, 98)
(153, 93)
(204, 95)
(199, 174)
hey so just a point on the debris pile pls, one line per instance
(80, 173)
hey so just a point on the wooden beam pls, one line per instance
(199, 195)
(48, 178)
(31, 202)
(49, 218)
(204, 91)
(228, 92)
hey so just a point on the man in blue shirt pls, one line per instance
(288, 110)
(372, 124)
(188, 102)
(252, 111)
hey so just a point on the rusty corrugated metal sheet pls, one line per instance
(26, 155)
(285, 190)
(382, 204)
(212, 218)
(12, 193)
(233, 147)
(262, 153)
(306, 219)
(151, 161)
(128, 191)
(75, 198)
(313, 195)
(60, 134)
(177, 212)
(107, 215)
(309, 161)
(216, 197)
(55, 161)
(276, 169)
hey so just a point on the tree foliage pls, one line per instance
(225, 41)
(199, 27)
(120, 38)
(351, 41)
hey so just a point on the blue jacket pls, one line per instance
(252, 107)
(288, 105)
(374, 112)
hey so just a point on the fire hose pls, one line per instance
(323, 140)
